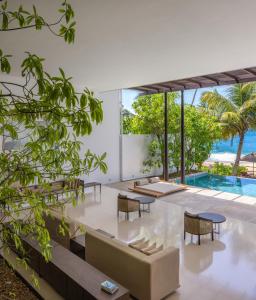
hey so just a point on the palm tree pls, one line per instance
(236, 112)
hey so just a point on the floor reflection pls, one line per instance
(199, 258)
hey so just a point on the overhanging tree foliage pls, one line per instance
(45, 116)
(127, 117)
(236, 112)
(201, 130)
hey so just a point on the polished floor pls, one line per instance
(232, 205)
(224, 269)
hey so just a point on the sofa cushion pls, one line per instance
(154, 250)
(139, 246)
(137, 242)
(145, 247)
(149, 248)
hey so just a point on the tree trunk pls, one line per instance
(238, 154)
(194, 97)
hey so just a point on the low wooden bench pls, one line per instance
(56, 187)
(69, 275)
(93, 184)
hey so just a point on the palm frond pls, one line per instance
(241, 93)
(249, 106)
(232, 124)
(218, 103)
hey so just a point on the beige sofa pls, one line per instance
(147, 277)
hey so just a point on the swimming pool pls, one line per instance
(230, 184)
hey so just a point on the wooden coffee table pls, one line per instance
(216, 219)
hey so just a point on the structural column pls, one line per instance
(182, 142)
(166, 159)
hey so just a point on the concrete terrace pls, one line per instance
(197, 199)
(208, 272)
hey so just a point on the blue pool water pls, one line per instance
(230, 184)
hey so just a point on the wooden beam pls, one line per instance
(250, 71)
(162, 87)
(196, 82)
(149, 88)
(217, 82)
(231, 76)
(178, 84)
(169, 87)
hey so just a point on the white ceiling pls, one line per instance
(124, 43)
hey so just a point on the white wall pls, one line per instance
(134, 152)
(105, 138)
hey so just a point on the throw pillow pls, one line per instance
(141, 182)
(154, 179)
(154, 250)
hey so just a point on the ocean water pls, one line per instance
(225, 150)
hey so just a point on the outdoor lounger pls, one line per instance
(156, 188)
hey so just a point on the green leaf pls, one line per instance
(83, 101)
(34, 9)
(51, 115)
(4, 6)
(62, 72)
(5, 21)
(103, 156)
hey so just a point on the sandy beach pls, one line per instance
(228, 159)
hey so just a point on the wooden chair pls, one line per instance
(196, 225)
(127, 205)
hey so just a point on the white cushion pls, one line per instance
(141, 182)
(154, 179)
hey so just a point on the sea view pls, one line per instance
(225, 150)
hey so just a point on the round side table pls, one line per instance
(216, 219)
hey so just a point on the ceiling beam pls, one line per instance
(179, 85)
(250, 71)
(196, 82)
(162, 87)
(231, 76)
(216, 81)
(149, 89)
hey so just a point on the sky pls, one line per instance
(129, 96)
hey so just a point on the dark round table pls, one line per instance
(216, 219)
(145, 200)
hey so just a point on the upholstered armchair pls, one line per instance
(196, 225)
(127, 205)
